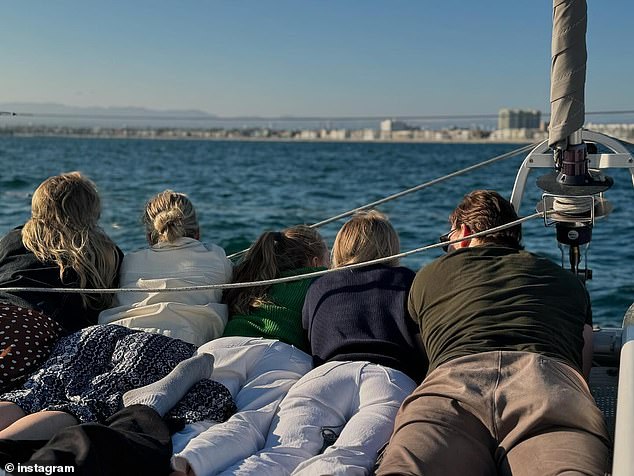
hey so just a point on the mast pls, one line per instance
(567, 73)
(574, 190)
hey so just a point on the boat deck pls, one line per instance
(604, 388)
(604, 376)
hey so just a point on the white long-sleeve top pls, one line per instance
(193, 316)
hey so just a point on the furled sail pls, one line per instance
(567, 70)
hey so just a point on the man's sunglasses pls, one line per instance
(445, 238)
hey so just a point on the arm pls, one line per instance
(586, 354)
(187, 472)
(587, 350)
(411, 307)
(417, 338)
(306, 317)
(414, 298)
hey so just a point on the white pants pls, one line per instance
(356, 400)
(258, 373)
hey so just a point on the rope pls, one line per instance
(573, 206)
(269, 282)
(413, 189)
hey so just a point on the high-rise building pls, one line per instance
(519, 119)
(391, 125)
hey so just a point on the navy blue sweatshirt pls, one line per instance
(361, 315)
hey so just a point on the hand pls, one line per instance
(188, 472)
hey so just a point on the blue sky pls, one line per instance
(305, 57)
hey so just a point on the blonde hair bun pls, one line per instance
(169, 216)
(169, 225)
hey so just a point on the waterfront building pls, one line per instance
(391, 125)
(519, 119)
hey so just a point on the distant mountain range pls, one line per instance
(61, 110)
(53, 114)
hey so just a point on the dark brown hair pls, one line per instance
(481, 210)
(272, 254)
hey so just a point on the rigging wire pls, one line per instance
(210, 117)
(411, 190)
(286, 279)
(427, 184)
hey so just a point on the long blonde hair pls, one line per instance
(366, 236)
(63, 229)
(272, 254)
(168, 216)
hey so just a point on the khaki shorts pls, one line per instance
(499, 413)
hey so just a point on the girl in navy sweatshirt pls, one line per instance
(368, 356)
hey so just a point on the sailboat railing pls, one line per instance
(542, 157)
(623, 458)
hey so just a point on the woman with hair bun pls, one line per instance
(87, 372)
(175, 258)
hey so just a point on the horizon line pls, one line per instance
(212, 117)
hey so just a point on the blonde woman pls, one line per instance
(368, 357)
(61, 245)
(175, 258)
(88, 371)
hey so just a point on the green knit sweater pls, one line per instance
(280, 318)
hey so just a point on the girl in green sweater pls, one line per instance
(275, 312)
(262, 353)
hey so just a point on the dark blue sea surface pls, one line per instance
(243, 188)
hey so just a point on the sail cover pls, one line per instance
(567, 70)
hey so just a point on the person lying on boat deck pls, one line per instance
(85, 377)
(263, 353)
(131, 441)
(175, 258)
(61, 245)
(88, 371)
(368, 356)
(507, 334)
(258, 371)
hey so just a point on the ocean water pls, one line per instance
(243, 188)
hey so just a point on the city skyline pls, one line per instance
(328, 59)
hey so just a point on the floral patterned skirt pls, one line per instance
(88, 372)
